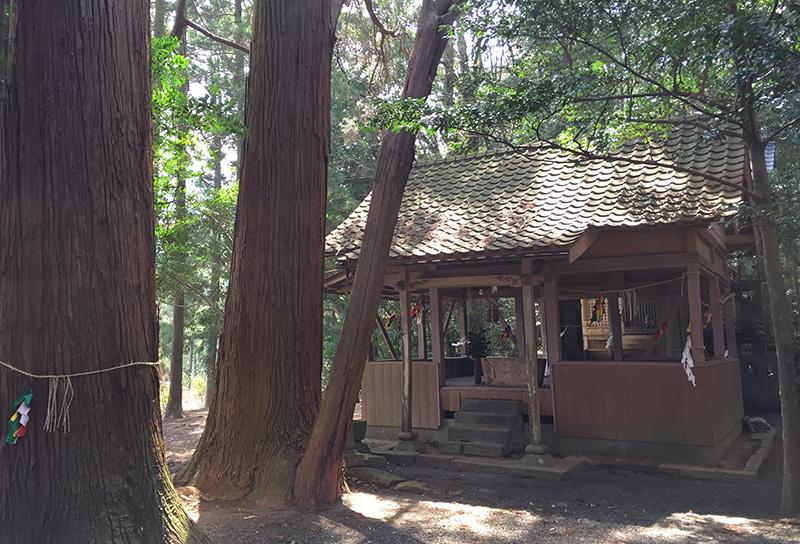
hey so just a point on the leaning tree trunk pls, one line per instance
(781, 317)
(319, 475)
(212, 327)
(77, 289)
(269, 364)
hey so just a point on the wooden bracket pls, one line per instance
(583, 243)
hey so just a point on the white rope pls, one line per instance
(58, 414)
(75, 374)
(629, 289)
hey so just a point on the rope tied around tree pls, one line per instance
(60, 385)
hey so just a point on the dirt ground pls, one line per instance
(597, 506)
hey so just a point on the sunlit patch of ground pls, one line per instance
(190, 497)
(443, 517)
(692, 527)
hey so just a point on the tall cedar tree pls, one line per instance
(269, 365)
(77, 289)
(174, 408)
(319, 475)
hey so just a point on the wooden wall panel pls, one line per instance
(647, 402)
(382, 387)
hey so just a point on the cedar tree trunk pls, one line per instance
(319, 475)
(174, 409)
(270, 354)
(781, 317)
(212, 329)
(77, 287)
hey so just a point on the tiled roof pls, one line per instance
(545, 199)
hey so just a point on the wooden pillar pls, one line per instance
(463, 326)
(407, 363)
(695, 312)
(519, 328)
(614, 315)
(729, 313)
(529, 321)
(419, 322)
(552, 320)
(716, 317)
(437, 333)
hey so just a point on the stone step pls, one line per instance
(512, 421)
(480, 433)
(486, 449)
(491, 406)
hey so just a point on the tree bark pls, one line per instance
(270, 355)
(77, 285)
(212, 330)
(159, 18)
(319, 475)
(174, 409)
(781, 314)
(5, 16)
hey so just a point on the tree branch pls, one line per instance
(211, 304)
(779, 130)
(214, 37)
(377, 22)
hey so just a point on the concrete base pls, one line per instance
(659, 452)
(541, 460)
(412, 445)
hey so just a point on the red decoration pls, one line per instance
(506, 336)
(661, 330)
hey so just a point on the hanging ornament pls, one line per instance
(506, 335)
(599, 309)
(706, 318)
(660, 332)
(688, 361)
(416, 312)
(390, 319)
(18, 422)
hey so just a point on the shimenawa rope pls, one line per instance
(58, 415)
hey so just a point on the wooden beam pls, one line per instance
(449, 316)
(552, 320)
(531, 364)
(583, 243)
(463, 326)
(437, 333)
(729, 313)
(630, 263)
(469, 281)
(419, 323)
(407, 363)
(520, 328)
(695, 312)
(386, 338)
(716, 317)
(615, 317)
(736, 242)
